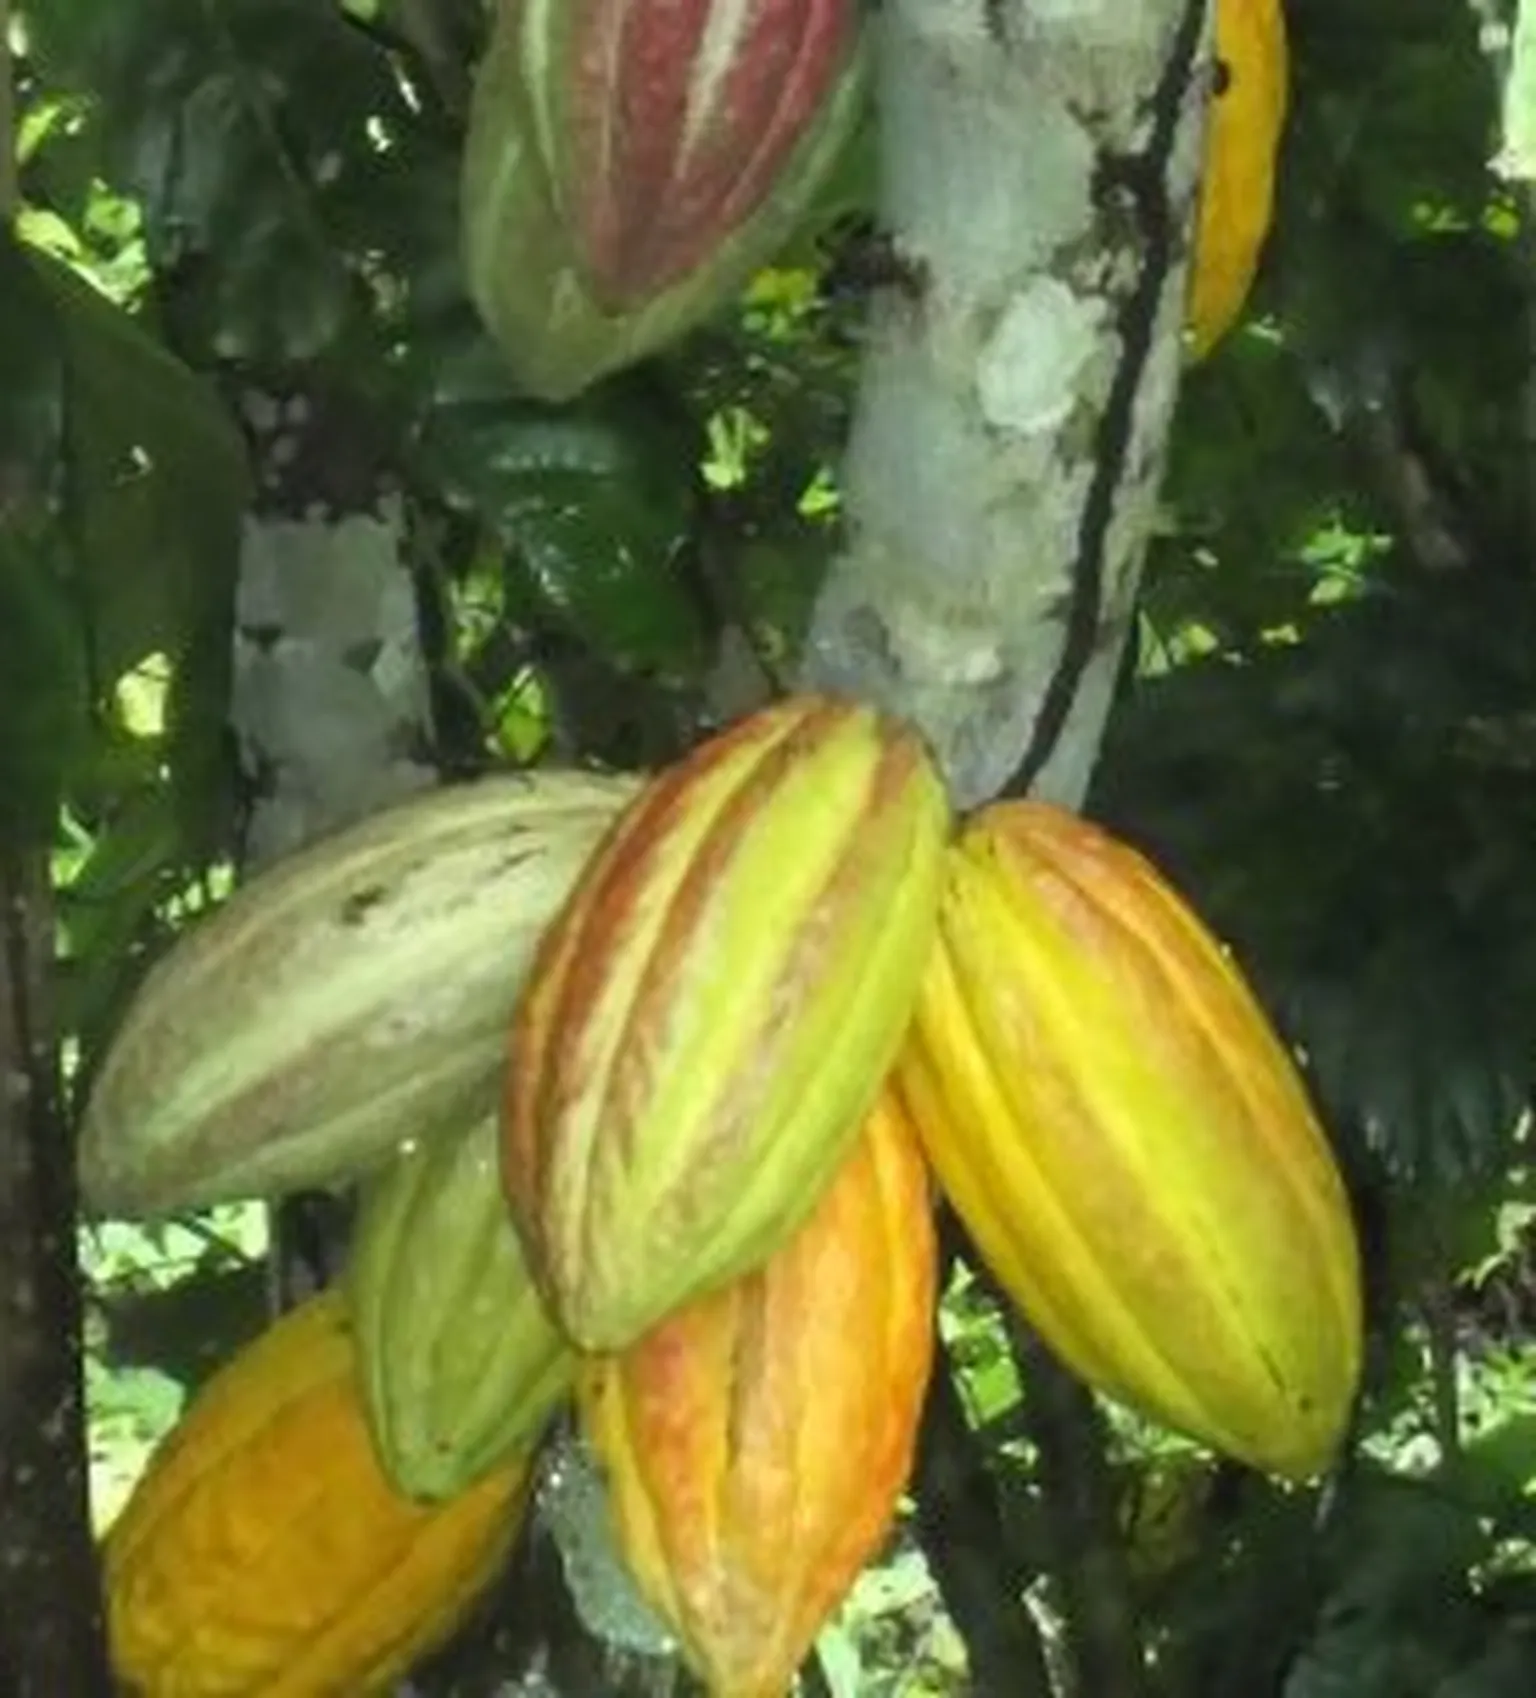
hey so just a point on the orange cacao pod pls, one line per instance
(712, 1014)
(1129, 1143)
(756, 1443)
(264, 1555)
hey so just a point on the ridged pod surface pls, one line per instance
(711, 1016)
(459, 1362)
(1243, 133)
(757, 1443)
(342, 999)
(1130, 1145)
(630, 163)
(263, 1554)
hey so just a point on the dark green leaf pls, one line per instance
(594, 504)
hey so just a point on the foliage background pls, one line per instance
(1328, 735)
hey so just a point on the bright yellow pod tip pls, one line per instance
(1130, 1145)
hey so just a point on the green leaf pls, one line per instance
(42, 686)
(242, 127)
(154, 485)
(185, 1330)
(594, 503)
(42, 657)
(119, 509)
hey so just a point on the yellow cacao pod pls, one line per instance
(346, 996)
(1130, 1145)
(711, 1016)
(756, 1443)
(459, 1362)
(1243, 132)
(263, 1554)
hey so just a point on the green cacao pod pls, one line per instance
(711, 1016)
(756, 1443)
(345, 997)
(460, 1364)
(630, 163)
(1131, 1146)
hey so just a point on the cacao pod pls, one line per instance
(757, 1442)
(1242, 145)
(630, 163)
(1129, 1144)
(459, 1363)
(262, 1554)
(712, 1014)
(346, 996)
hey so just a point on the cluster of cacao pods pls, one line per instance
(630, 163)
(647, 1084)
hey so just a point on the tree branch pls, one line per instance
(1038, 174)
(1088, 1556)
(51, 1635)
(966, 1545)
(52, 1638)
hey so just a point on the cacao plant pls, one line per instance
(757, 1442)
(712, 1013)
(630, 163)
(459, 1363)
(343, 998)
(1244, 129)
(263, 1554)
(1130, 1145)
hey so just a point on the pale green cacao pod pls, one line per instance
(344, 998)
(460, 1364)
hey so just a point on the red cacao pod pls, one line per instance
(756, 1443)
(1130, 1145)
(712, 1013)
(668, 122)
(630, 163)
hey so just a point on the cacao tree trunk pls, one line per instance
(51, 1635)
(1038, 168)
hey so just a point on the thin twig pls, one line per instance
(10, 193)
(1437, 1306)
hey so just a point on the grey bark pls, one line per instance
(1038, 172)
